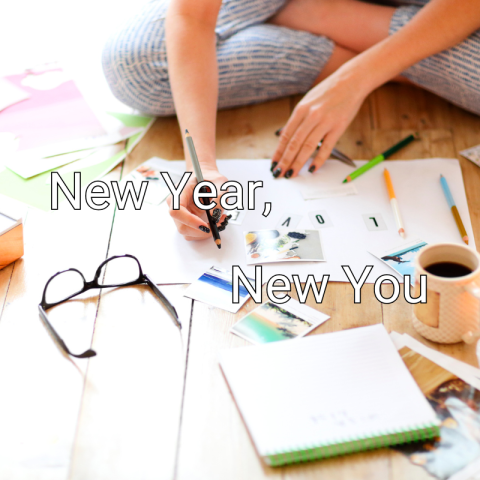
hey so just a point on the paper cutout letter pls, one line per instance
(374, 222)
(320, 219)
(289, 220)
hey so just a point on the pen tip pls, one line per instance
(219, 246)
(441, 176)
(186, 131)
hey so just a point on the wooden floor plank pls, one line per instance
(466, 134)
(214, 442)
(406, 107)
(5, 277)
(249, 132)
(131, 409)
(42, 390)
(162, 140)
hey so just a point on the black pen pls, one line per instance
(198, 174)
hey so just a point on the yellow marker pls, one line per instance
(394, 203)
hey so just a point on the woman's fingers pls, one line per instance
(301, 139)
(308, 147)
(286, 135)
(185, 219)
(216, 214)
(328, 143)
(191, 221)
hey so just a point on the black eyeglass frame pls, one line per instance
(143, 279)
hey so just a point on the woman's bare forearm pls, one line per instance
(439, 25)
(193, 76)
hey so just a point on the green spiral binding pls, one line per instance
(383, 439)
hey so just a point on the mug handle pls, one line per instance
(471, 337)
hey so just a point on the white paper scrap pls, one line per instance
(472, 154)
(311, 192)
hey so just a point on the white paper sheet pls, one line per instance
(417, 186)
(11, 214)
(22, 163)
(470, 472)
(313, 187)
(472, 154)
(462, 370)
(6, 223)
(99, 156)
(34, 166)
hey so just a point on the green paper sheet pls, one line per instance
(37, 193)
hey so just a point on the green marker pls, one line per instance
(380, 158)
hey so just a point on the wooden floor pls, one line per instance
(153, 404)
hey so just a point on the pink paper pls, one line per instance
(49, 116)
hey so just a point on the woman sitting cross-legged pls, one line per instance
(239, 52)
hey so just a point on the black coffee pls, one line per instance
(448, 269)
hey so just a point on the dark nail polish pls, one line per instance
(277, 172)
(216, 214)
(229, 217)
(311, 169)
(289, 173)
(274, 164)
(221, 228)
(204, 229)
(279, 131)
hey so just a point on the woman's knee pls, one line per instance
(264, 62)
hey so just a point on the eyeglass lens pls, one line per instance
(64, 286)
(119, 271)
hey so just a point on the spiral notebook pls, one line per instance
(327, 395)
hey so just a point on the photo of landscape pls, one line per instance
(271, 323)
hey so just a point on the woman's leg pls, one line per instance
(353, 24)
(453, 74)
(256, 61)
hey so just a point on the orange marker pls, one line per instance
(394, 203)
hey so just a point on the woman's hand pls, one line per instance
(323, 114)
(190, 220)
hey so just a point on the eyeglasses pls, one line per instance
(63, 286)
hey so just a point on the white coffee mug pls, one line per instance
(452, 311)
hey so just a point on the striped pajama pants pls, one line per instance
(259, 61)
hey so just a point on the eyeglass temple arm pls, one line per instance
(56, 338)
(164, 300)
